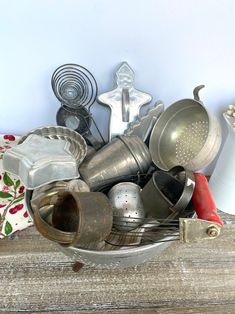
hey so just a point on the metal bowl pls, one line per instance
(110, 258)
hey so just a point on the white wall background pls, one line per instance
(172, 45)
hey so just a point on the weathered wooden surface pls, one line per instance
(186, 278)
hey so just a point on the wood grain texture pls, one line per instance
(186, 278)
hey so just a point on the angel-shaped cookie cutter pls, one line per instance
(124, 101)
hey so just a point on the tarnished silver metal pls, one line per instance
(128, 209)
(39, 161)
(90, 151)
(126, 257)
(165, 196)
(124, 101)
(78, 147)
(143, 126)
(185, 134)
(80, 219)
(106, 255)
(38, 194)
(34, 197)
(125, 155)
(47, 229)
(120, 240)
(196, 230)
(78, 119)
(95, 216)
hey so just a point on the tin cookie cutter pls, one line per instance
(124, 101)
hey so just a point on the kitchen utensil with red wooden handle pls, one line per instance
(203, 200)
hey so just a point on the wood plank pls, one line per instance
(221, 309)
(37, 278)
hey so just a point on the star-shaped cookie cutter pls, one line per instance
(38, 161)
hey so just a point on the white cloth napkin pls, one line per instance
(13, 212)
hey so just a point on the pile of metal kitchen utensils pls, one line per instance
(124, 203)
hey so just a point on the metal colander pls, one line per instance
(185, 134)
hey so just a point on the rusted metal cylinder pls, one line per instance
(78, 219)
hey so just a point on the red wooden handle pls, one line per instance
(203, 200)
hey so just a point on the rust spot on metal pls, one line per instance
(77, 267)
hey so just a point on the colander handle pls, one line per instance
(203, 200)
(196, 92)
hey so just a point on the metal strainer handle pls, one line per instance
(196, 92)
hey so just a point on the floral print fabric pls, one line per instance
(13, 212)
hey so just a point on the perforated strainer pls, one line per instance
(185, 134)
(128, 209)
